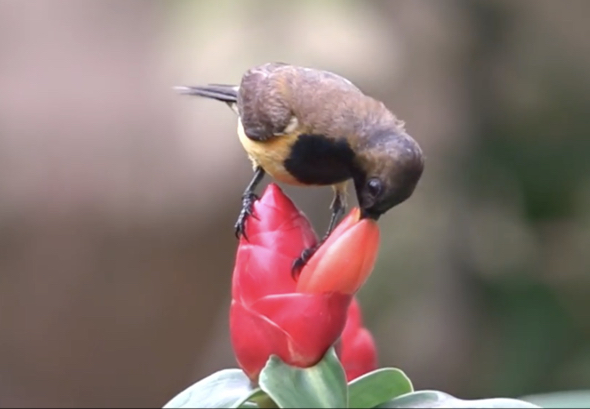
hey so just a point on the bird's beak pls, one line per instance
(368, 214)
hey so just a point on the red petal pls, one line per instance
(259, 272)
(343, 263)
(277, 234)
(358, 354)
(254, 338)
(349, 221)
(355, 318)
(275, 212)
(313, 322)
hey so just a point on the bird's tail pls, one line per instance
(220, 92)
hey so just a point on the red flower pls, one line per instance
(270, 312)
(358, 353)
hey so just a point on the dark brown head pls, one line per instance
(389, 167)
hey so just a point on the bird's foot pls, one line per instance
(300, 262)
(248, 200)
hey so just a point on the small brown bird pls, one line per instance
(304, 126)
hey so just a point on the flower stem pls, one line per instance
(265, 402)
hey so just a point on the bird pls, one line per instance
(311, 127)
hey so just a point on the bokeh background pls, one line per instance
(118, 196)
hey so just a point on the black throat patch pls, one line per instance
(318, 160)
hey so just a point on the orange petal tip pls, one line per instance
(343, 263)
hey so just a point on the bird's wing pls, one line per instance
(220, 92)
(259, 124)
(264, 104)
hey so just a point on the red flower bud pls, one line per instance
(270, 312)
(358, 353)
(345, 260)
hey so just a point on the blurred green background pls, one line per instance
(118, 196)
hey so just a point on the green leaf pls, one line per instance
(228, 388)
(320, 386)
(378, 387)
(566, 399)
(436, 399)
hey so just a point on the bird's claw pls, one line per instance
(247, 210)
(300, 262)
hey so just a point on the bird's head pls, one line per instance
(389, 169)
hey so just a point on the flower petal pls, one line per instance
(277, 234)
(276, 213)
(355, 317)
(358, 354)
(349, 221)
(343, 263)
(357, 350)
(259, 272)
(313, 322)
(254, 338)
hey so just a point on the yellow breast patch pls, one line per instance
(270, 154)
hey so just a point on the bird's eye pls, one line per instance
(374, 187)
